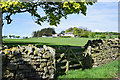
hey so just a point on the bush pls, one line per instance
(84, 34)
(92, 34)
(25, 37)
(103, 36)
(97, 36)
(65, 36)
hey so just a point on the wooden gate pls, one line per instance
(68, 60)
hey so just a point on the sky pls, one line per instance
(101, 17)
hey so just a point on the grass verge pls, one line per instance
(106, 71)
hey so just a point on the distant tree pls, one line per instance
(13, 36)
(92, 34)
(79, 31)
(10, 36)
(110, 35)
(76, 31)
(69, 30)
(97, 36)
(44, 32)
(119, 35)
(106, 33)
(4, 37)
(25, 37)
(62, 32)
(34, 34)
(98, 33)
(17, 36)
(84, 34)
(103, 35)
(115, 33)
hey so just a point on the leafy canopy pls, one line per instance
(54, 11)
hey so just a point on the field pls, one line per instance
(48, 41)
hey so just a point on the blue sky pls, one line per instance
(102, 16)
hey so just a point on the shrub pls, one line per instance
(103, 35)
(84, 34)
(92, 34)
(97, 36)
(25, 37)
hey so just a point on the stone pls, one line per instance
(27, 59)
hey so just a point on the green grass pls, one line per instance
(49, 41)
(107, 71)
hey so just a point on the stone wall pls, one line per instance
(28, 62)
(100, 52)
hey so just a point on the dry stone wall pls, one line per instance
(100, 52)
(28, 62)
